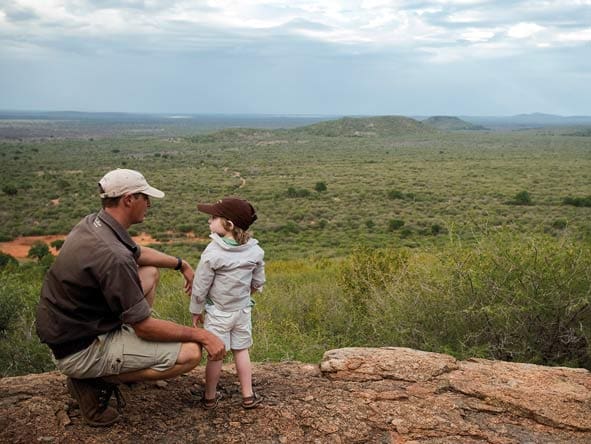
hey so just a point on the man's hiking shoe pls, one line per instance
(93, 396)
(251, 402)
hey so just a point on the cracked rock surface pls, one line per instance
(355, 395)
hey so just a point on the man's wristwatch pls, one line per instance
(179, 263)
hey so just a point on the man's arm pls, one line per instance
(155, 258)
(152, 329)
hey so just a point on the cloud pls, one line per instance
(524, 30)
(306, 50)
(368, 25)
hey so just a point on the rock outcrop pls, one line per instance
(374, 395)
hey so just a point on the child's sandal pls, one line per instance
(250, 402)
(209, 404)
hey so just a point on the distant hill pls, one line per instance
(524, 121)
(451, 123)
(368, 126)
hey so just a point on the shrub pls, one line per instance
(57, 244)
(9, 190)
(559, 224)
(38, 250)
(290, 227)
(186, 228)
(521, 198)
(9, 310)
(20, 349)
(395, 194)
(6, 259)
(515, 299)
(294, 192)
(407, 232)
(395, 224)
(320, 187)
(577, 201)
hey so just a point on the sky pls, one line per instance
(329, 57)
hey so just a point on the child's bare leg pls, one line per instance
(244, 370)
(213, 369)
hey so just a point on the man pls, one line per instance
(95, 306)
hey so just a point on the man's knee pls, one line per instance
(190, 354)
(149, 277)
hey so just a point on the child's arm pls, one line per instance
(197, 320)
(204, 275)
(258, 277)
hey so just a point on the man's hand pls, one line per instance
(214, 346)
(152, 329)
(188, 274)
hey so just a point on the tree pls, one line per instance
(57, 244)
(38, 250)
(7, 259)
(320, 186)
(522, 198)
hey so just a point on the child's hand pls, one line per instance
(197, 320)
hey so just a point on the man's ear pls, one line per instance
(126, 199)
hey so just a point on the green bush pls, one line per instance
(320, 187)
(577, 201)
(297, 192)
(395, 224)
(9, 190)
(20, 349)
(515, 299)
(7, 259)
(395, 194)
(38, 250)
(57, 244)
(436, 229)
(521, 198)
(559, 224)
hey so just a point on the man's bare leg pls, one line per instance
(188, 359)
(149, 277)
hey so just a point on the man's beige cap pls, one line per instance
(122, 181)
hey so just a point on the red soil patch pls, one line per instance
(19, 247)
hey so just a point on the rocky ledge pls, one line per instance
(355, 395)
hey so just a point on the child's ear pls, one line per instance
(231, 225)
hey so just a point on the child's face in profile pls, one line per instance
(216, 225)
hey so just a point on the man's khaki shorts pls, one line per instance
(119, 351)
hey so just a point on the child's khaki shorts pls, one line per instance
(119, 351)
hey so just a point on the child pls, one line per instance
(230, 269)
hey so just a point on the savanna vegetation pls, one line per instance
(380, 231)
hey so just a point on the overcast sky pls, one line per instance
(425, 57)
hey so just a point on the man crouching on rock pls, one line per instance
(95, 306)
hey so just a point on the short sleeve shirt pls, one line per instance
(93, 287)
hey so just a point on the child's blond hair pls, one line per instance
(241, 236)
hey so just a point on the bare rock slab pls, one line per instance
(356, 395)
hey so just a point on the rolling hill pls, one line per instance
(368, 126)
(451, 123)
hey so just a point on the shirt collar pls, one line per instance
(119, 231)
